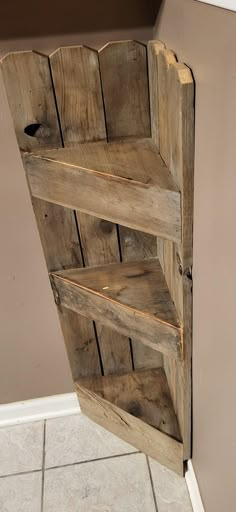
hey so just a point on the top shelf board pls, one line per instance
(125, 182)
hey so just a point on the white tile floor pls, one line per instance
(70, 464)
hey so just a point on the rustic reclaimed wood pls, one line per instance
(30, 95)
(125, 182)
(143, 394)
(176, 126)
(137, 407)
(127, 94)
(123, 64)
(29, 91)
(154, 48)
(100, 246)
(76, 77)
(136, 245)
(131, 298)
(165, 59)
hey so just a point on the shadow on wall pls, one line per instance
(49, 17)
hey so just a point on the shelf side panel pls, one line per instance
(176, 131)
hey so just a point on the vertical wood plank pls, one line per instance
(100, 247)
(153, 49)
(176, 125)
(59, 238)
(165, 58)
(29, 91)
(77, 84)
(125, 88)
(136, 245)
(76, 79)
(30, 95)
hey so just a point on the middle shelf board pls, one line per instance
(125, 182)
(131, 298)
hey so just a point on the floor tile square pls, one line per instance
(120, 484)
(170, 489)
(76, 439)
(21, 448)
(21, 493)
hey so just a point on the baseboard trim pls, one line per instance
(39, 409)
(193, 488)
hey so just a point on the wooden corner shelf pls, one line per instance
(107, 142)
(125, 182)
(131, 298)
(125, 403)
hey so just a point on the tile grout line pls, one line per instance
(43, 465)
(21, 473)
(91, 460)
(66, 465)
(152, 485)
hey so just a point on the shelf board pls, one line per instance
(131, 298)
(137, 407)
(125, 182)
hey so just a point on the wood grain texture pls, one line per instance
(143, 394)
(125, 88)
(61, 247)
(165, 59)
(137, 407)
(136, 245)
(129, 90)
(100, 246)
(177, 149)
(76, 76)
(131, 298)
(154, 48)
(124, 182)
(30, 94)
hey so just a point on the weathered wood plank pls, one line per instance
(131, 298)
(137, 407)
(30, 94)
(136, 245)
(100, 246)
(154, 48)
(143, 394)
(177, 149)
(125, 182)
(128, 89)
(29, 91)
(123, 64)
(165, 59)
(76, 76)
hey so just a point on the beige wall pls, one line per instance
(205, 38)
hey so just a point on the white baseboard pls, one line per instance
(193, 488)
(39, 409)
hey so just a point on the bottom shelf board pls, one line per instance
(137, 407)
